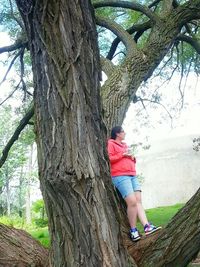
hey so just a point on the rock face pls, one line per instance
(170, 171)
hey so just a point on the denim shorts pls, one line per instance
(126, 184)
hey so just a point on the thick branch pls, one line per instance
(135, 28)
(179, 242)
(138, 249)
(188, 12)
(154, 3)
(130, 5)
(119, 31)
(175, 245)
(107, 66)
(193, 42)
(13, 47)
(18, 248)
(169, 30)
(15, 136)
(167, 6)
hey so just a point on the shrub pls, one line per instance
(39, 222)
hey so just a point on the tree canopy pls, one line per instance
(126, 31)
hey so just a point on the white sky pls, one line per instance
(185, 124)
(5, 89)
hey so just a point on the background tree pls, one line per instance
(15, 176)
(77, 105)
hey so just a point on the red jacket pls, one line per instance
(119, 164)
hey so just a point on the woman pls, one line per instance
(123, 172)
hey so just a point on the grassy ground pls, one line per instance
(162, 215)
(158, 216)
(42, 235)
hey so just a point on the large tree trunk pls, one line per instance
(74, 174)
(17, 248)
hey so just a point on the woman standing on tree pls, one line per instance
(123, 172)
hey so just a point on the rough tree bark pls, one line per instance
(74, 174)
(85, 223)
(17, 248)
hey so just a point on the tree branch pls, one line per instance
(15, 18)
(188, 12)
(15, 136)
(107, 66)
(135, 28)
(11, 93)
(158, 103)
(193, 42)
(166, 63)
(129, 5)
(181, 246)
(15, 46)
(154, 3)
(119, 31)
(24, 88)
(11, 64)
(167, 6)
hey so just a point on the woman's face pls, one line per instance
(121, 135)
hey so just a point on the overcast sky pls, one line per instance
(186, 123)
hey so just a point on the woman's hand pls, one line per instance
(128, 155)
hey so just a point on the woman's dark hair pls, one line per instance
(115, 130)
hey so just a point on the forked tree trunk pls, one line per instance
(74, 174)
(84, 219)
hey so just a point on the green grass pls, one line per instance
(162, 215)
(42, 235)
(158, 216)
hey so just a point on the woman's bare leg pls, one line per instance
(132, 209)
(140, 210)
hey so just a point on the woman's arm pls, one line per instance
(113, 155)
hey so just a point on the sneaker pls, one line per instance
(149, 228)
(134, 235)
